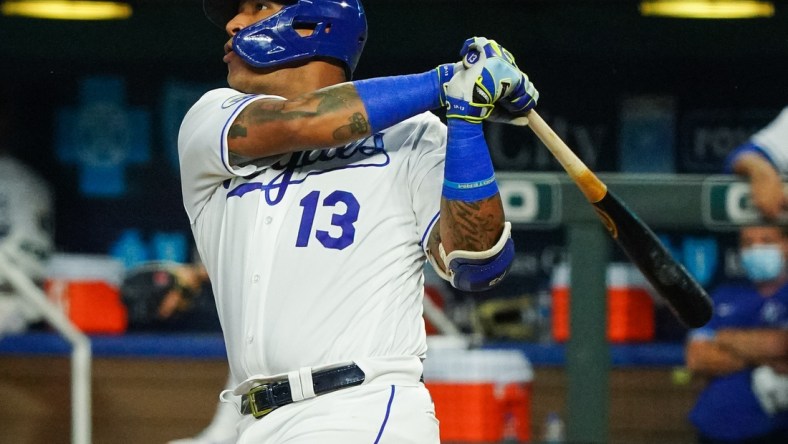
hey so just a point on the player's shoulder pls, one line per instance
(420, 125)
(426, 118)
(220, 93)
(223, 97)
(215, 104)
(226, 98)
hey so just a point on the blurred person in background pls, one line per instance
(762, 160)
(26, 226)
(166, 296)
(743, 350)
(175, 297)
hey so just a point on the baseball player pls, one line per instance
(762, 160)
(314, 202)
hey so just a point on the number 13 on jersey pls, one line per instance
(347, 231)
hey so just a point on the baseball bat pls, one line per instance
(685, 296)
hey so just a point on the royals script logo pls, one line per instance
(366, 153)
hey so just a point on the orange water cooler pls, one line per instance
(630, 307)
(480, 396)
(87, 289)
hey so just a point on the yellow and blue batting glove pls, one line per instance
(467, 97)
(501, 78)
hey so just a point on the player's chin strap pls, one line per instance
(478, 270)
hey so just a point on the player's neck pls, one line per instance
(299, 80)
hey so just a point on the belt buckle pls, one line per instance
(265, 390)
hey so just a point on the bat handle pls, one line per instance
(593, 188)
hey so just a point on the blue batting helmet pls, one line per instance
(338, 31)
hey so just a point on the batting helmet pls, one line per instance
(338, 31)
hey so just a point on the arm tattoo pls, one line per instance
(358, 125)
(474, 226)
(339, 97)
(262, 111)
(343, 97)
(324, 101)
(237, 131)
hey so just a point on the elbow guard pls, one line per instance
(479, 270)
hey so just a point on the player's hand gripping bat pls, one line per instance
(687, 299)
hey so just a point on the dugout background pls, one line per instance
(721, 79)
(708, 83)
(718, 81)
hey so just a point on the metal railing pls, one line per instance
(81, 353)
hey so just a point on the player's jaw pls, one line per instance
(289, 80)
(244, 77)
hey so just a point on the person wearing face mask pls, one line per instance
(743, 350)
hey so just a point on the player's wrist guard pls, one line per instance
(390, 100)
(468, 173)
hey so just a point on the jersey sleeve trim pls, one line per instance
(427, 231)
(223, 148)
(748, 147)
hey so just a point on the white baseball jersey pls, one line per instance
(315, 257)
(774, 140)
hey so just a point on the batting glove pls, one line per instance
(467, 95)
(509, 86)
